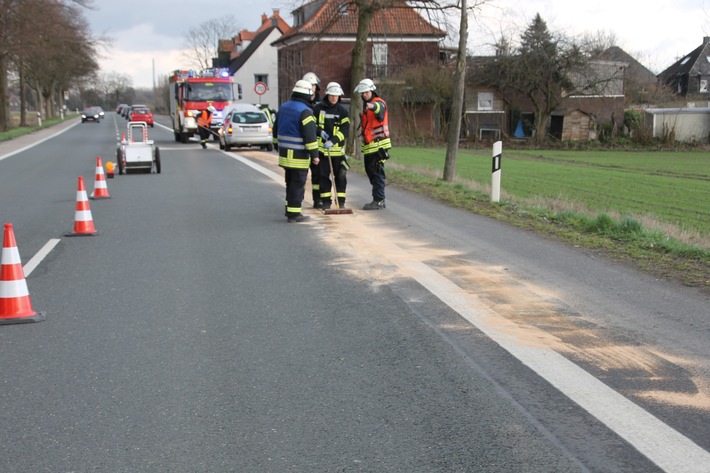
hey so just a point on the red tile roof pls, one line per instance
(333, 20)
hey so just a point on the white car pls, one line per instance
(245, 126)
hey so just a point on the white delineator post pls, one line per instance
(495, 177)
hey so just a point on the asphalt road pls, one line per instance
(201, 332)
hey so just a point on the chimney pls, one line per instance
(264, 18)
(706, 40)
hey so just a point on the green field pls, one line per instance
(670, 187)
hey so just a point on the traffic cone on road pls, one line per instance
(83, 222)
(100, 188)
(15, 303)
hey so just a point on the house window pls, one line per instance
(379, 58)
(261, 78)
(703, 85)
(485, 101)
(342, 9)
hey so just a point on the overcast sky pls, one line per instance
(151, 32)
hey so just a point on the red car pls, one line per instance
(141, 114)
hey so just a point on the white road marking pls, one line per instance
(39, 256)
(666, 447)
(663, 445)
(37, 142)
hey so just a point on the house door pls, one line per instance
(556, 123)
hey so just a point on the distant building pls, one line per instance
(252, 59)
(690, 76)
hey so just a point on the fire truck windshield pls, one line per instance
(209, 91)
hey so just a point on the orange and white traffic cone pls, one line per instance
(100, 188)
(83, 222)
(15, 303)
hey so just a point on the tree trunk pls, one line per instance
(23, 96)
(5, 117)
(357, 72)
(454, 131)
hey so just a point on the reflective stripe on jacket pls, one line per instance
(295, 134)
(334, 120)
(204, 119)
(375, 127)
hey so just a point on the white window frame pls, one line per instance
(485, 101)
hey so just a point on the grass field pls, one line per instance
(652, 186)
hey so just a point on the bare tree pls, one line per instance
(19, 35)
(201, 42)
(593, 44)
(540, 71)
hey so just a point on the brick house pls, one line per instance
(599, 98)
(323, 38)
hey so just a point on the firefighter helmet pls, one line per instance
(303, 87)
(334, 89)
(365, 85)
(211, 108)
(312, 78)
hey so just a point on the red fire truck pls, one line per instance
(191, 92)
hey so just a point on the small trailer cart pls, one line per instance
(137, 152)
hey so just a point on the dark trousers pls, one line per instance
(204, 134)
(295, 189)
(376, 173)
(326, 186)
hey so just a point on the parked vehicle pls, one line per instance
(245, 126)
(141, 114)
(90, 114)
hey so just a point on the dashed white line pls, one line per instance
(39, 256)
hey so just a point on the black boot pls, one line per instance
(375, 205)
(298, 218)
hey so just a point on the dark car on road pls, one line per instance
(90, 114)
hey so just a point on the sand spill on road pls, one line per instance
(533, 316)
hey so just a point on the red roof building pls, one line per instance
(323, 37)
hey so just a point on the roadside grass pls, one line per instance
(648, 209)
(19, 131)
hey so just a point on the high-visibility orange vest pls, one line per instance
(204, 119)
(372, 128)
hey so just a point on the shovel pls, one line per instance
(337, 210)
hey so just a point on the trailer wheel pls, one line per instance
(183, 137)
(156, 159)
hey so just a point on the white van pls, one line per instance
(245, 125)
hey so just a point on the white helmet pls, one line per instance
(334, 89)
(211, 108)
(303, 87)
(312, 78)
(365, 85)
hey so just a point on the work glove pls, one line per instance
(328, 144)
(324, 135)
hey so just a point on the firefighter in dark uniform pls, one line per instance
(334, 127)
(376, 143)
(295, 139)
(313, 79)
(204, 121)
